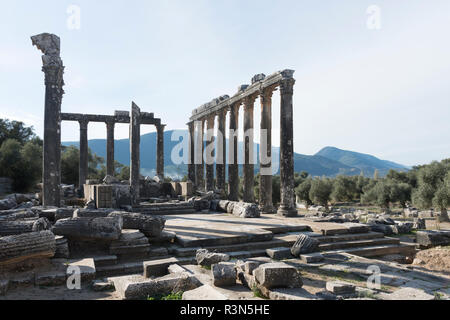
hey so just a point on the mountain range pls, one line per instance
(329, 161)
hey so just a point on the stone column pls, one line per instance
(160, 151)
(110, 148)
(233, 167)
(199, 169)
(249, 175)
(287, 197)
(265, 153)
(191, 152)
(209, 185)
(135, 140)
(221, 152)
(84, 154)
(53, 69)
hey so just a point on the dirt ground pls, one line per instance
(437, 259)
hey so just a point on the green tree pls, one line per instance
(15, 130)
(344, 189)
(320, 191)
(302, 191)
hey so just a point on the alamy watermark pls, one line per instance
(374, 17)
(74, 17)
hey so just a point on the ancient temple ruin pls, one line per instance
(263, 87)
(53, 69)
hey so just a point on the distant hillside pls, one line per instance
(364, 162)
(329, 161)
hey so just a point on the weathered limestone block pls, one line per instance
(8, 228)
(20, 247)
(278, 253)
(4, 286)
(205, 292)
(404, 227)
(62, 247)
(164, 237)
(135, 287)
(277, 275)
(108, 228)
(158, 268)
(304, 244)
(11, 215)
(340, 287)
(102, 285)
(86, 268)
(151, 226)
(244, 209)
(131, 242)
(312, 257)
(8, 203)
(224, 274)
(50, 278)
(432, 238)
(206, 258)
(91, 213)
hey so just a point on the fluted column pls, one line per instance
(191, 152)
(110, 148)
(287, 197)
(135, 140)
(249, 175)
(233, 167)
(53, 69)
(221, 151)
(265, 153)
(160, 151)
(84, 154)
(199, 169)
(209, 154)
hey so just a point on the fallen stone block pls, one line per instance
(4, 286)
(50, 278)
(164, 237)
(132, 287)
(62, 247)
(304, 244)
(205, 292)
(312, 257)
(175, 268)
(290, 294)
(157, 267)
(279, 253)
(91, 213)
(277, 275)
(432, 238)
(86, 268)
(109, 228)
(340, 287)
(131, 242)
(8, 228)
(224, 274)
(419, 223)
(206, 258)
(407, 294)
(102, 285)
(17, 248)
(151, 226)
(245, 210)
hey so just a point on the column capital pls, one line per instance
(110, 124)
(83, 123)
(249, 102)
(160, 127)
(287, 86)
(267, 93)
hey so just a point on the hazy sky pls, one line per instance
(385, 92)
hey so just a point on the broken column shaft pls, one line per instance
(209, 155)
(221, 152)
(53, 68)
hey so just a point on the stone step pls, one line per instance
(101, 261)
(381, 250)
(357, 243)
(350, 237)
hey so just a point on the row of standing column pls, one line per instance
(196, 146)
(134, 150)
